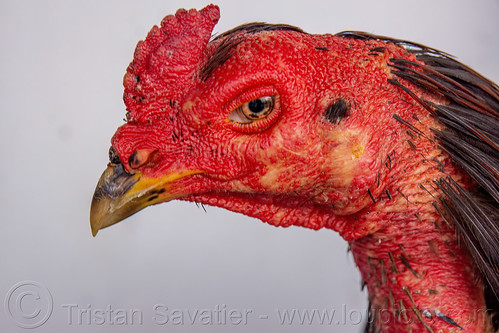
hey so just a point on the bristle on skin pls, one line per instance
(472, 113)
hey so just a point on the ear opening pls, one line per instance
(337, 110)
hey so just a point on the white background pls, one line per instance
(61, 69)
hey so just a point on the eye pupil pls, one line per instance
(257, 105)
(258, 108)
(253, 110)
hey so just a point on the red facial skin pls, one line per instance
(297, 168)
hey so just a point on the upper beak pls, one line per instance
(120, 194)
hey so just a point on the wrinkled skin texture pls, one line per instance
(359, 176)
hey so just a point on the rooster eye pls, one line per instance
(253, 110)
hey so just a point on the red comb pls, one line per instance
(164, 63)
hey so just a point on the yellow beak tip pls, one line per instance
(120, 194)
(94, 231)
(95, 222)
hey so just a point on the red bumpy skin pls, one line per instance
(359, 172)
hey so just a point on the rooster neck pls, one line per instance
(419, 278)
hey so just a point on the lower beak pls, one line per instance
(120, 194)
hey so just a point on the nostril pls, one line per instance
(139, 157)
(114, 158)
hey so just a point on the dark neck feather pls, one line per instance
(471, 119)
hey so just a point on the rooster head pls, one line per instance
(263, 119)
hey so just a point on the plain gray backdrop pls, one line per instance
(61, 70)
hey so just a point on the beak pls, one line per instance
(120, 194)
